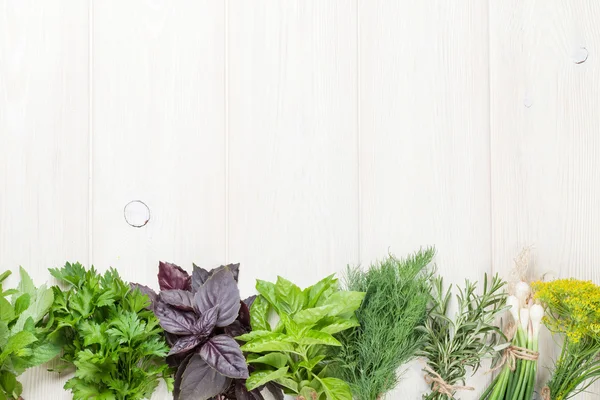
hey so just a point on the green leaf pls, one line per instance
(259, 314)
(321, 289)
(3, 334)
(311, 316)
(4, 275)
(8, 382)
(288, 382)
(7, 312)
(277, 360)
(267, 290)
(275, 342)
(317, 337)
(22, 303)
(344, 302)
(289, 296)
(43, 353)
(312, 363)
(16, 342)
(26, 285)
(336, 389)
(260, 378)
(338, 325)
(37, 310)
(254, 335)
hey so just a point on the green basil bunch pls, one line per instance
(294, 352)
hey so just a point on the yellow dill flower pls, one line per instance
(573, 307)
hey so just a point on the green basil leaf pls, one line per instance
(289, 296)
(311, 316)
(288, 382)
(276, 342)
(37, 310)
(323, 288)
(277, 360)
(310, 364)
(317, 337)
(254, 335)
(336, 389)
(260, 378)
(259, 314)
(337, 324)
(267, 290)
(343, 302)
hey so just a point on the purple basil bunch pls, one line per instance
(201, 314)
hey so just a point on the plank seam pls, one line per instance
(358, 134)
(491, 164)
(90, 131)
(226, 124)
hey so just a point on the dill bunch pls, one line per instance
(453, 345)
(572, 310)
(397, 294)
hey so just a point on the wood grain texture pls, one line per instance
(545, 141)
(424, 151)
(158, 118)
(43, 146)
(292, 139)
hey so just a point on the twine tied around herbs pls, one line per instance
(440, 385)
(513, 353)
(546, 393)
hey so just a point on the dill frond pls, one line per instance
(397, 294)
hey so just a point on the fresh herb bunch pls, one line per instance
(112, 339)
(23, 334)
(516, 381)
(201, 314)
(573, 311)
(451, 346)
(395, 304)
(293, 353)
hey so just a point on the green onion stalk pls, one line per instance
(519, 363)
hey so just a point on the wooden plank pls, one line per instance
(545, 80)
(158, 100)
(424, 132)
(43, 146)
(292, 139)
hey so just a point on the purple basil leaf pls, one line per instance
(173, 320)
(185, 344)
(223, 354)
(145, 290)
(171, 276)
(220, 289)
(206, 323)
(181, 299)
(249, 301)
(241, 393)
(199, 276)
(235, 329)
(171, 339)
(178, 375)
(234, 268)
(244, 314)
(201, 382)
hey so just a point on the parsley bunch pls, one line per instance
(110, 336)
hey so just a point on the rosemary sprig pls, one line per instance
(452, 346)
